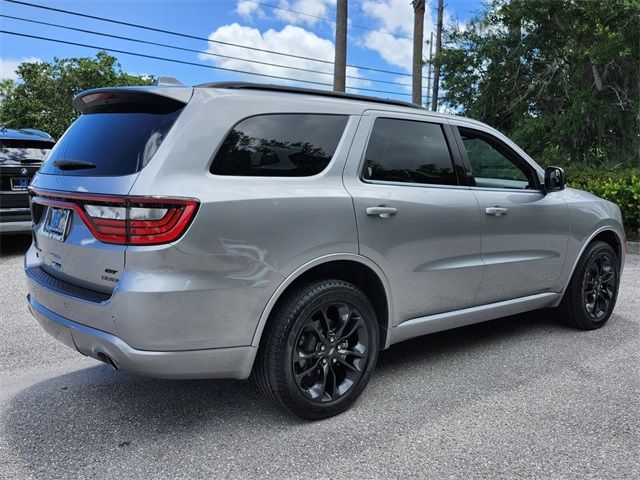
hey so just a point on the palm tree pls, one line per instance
(340, 61)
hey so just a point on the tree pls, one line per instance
(7, 86)
(418, 33)
(559, 76)
(42, 99)
(340, 61)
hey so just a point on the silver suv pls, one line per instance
(231, 229)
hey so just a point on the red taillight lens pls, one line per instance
(108, 223)
(152, 222)
(128, 220)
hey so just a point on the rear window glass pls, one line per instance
(280, 145)
(21, 151)
(116, 143)
(410, 152)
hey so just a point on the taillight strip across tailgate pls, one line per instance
(125, 220)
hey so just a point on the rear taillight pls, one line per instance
(127, 220)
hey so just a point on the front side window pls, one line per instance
(493, 165)
(280, 145)
(408, 151)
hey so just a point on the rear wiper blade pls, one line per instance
(73, 164)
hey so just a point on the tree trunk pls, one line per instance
(340, 61)
(436, 70)
(418, 31)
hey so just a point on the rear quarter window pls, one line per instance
(280, 145)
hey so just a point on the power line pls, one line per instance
(326, 19)
(194, 37)
(184, 49)
(185, 62)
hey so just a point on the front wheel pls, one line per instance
(592, 292)
(320, 349)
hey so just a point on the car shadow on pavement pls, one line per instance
(14, 244)
(97, 411)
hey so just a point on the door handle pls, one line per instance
(382, 211)
(496, 211)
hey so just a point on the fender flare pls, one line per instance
(595, 233)
(266, 312)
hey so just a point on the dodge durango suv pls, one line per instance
(232, 229)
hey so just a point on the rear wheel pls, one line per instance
(320, 350)
(593, 289)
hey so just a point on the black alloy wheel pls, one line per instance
(591, 295)
(319, 350)
(599, 285)
(330, 352)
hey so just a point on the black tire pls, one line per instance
(592, 292)
(300, 328)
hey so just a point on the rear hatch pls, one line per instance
(83, 217)
(20, 158)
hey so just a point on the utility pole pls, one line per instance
(428, 95)
(436, 70)
(418, 31)
(340, 60)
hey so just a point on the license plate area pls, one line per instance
(20, 184)
(56, 225)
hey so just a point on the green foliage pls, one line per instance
(558, 76)
(7, 86)
(621, 186)
(562, 79)
(42, 99)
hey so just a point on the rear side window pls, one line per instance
(408, 151)
(280, 145)
(116, 143)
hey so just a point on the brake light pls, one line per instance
(127, 220)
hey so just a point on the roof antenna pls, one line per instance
(168, 82)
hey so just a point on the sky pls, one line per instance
(379, 37)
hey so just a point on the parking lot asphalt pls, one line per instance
(518, 397)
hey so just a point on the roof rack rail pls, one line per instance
(306, 91)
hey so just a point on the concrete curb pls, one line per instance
(633, 247)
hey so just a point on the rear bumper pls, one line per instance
(233, 362)
(15, 227)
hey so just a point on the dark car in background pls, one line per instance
(21, 155)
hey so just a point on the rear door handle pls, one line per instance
(382, 211)
(496, 211)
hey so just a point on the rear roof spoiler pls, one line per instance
(128, 98)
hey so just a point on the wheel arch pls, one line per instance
(605, 234)
(353, 268)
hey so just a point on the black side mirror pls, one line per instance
(554, 179)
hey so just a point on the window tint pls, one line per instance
(490, 163)
(116, 143)
(408, 151)
(283, 145)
